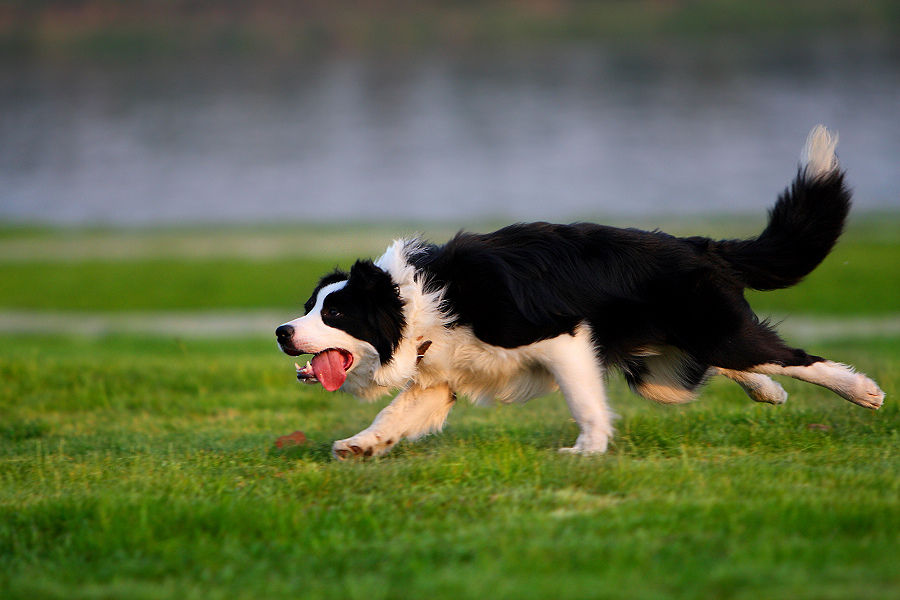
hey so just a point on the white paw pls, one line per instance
(587, 445)
(362, 444)
(581, 451)
(759, 387)
(771, 393)
(866, 393)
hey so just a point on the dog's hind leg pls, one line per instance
(573, 362)
(665, 374)
(840, 379)
(759, 387)
(761, 351)
(415, 412)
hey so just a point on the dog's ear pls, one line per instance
(364, 275)
(333, 277)
(377, 303)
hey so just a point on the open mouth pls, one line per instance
(328, 367)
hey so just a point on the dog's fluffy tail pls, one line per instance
(804, 224)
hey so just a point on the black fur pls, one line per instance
(639, 289)
(803, 226)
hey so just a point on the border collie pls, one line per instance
(536, 307)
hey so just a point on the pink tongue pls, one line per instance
(329, 369)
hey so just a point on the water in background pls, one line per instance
(555, 133)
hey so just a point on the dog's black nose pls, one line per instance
(284, 333)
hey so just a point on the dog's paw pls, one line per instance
(768, 391)
(361, 445)
(866, 393)
(587, 445)
(580, 451)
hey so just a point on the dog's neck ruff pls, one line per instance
(425, 321)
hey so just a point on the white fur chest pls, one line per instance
(483, 372)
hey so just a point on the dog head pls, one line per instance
(354, 323)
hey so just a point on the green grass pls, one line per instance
(145, 468)
(160, 284)
(859, 277)
(198, 270)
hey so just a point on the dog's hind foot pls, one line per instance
(839, 378)
(759, 387)
(865, 392)
(768, 391)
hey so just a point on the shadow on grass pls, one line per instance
(17, 430)
(319, 452)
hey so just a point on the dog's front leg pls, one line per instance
(415, 412)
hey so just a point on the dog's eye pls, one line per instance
(331, 312)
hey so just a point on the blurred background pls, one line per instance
(198, 112)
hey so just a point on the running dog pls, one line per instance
(536, 307)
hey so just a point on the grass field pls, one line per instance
(143, 466)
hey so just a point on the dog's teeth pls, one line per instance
(297, 367)
(308, 365)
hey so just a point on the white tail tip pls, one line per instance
(818, 155)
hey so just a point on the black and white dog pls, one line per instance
(514, 314)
